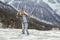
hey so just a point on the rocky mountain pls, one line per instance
(45, 12)
(44, 16)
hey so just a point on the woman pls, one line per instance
(24, 20)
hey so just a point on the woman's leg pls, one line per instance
(26, 28)
(23, 28)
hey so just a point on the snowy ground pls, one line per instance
(15, 34)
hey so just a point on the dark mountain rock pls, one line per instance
(8, 18)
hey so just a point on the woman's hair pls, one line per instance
(22, 12)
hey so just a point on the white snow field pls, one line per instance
(15, 34)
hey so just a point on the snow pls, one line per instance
(42, 20)
(10, 1)
(54, 6)
(15, 34)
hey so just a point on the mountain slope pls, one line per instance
(41, 10)
(44, 18)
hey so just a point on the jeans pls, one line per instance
(25, 28)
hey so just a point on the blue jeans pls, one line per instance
(25, 28)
